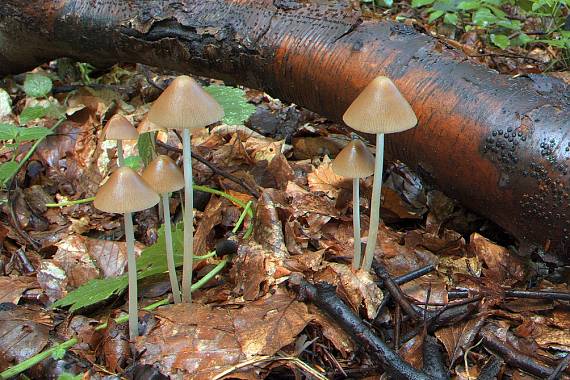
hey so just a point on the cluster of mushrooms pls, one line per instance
(380, 108)
(183, 105)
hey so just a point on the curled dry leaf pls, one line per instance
(418, 289)
(332, 331)
(281, 171)
(72, 256)
(12, 288)
(23, 333)
(115, 347)
(268, 230)
(323, 179)
(459, 337)
(545, 336)
(211, 217)
(52, 280)
(502, 266)
(204, 341)
(412, 350)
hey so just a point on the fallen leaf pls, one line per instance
(12, 287)
(460, 336)
(323, 179)
(502, 266)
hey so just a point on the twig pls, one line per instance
(511, 356)
(324, 296)
(491, 369)
(561, 367)
(213, 168)
(434, 365)
(395, 291)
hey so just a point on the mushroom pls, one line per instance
(126, 192)
(355, 161)
(185, 105)
(119, 128)
(380, 108)
(165, 177)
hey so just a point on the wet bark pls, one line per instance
(498, 144)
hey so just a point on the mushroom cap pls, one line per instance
(354, 161)
(147, 126)
(185, 105)
(380, 108)
(125, 191)
(163, 175)
(120, 128)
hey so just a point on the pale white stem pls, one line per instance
(120, 154)
(132, 274)
(188, 219)
(375, 204)
(356, 222)
(170, 249)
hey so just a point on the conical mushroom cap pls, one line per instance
(380, 108)
(146, 126)
(354, 161)
(125, 191)
(119, 128)
(185, 105)
(163, 175)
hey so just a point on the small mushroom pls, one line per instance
(126, 192)
(119, 128)
(380, 108)
(185, 105)
(165, 177)
(355, 161)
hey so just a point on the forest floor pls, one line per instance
(453, 275)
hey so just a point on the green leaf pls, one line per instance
(483, 17)
(151, 262)
(32, 133)
(468, 5)
(70, 376)
(145, 147)
(450, 18)
(421, 3)
(134, 162)
(435, 15)
(236, 108)
(37, 85)
(500, 40)
(385, 3)
(33, 113)
(8, 131)
(8, 170)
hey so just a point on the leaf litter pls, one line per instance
(246, 321)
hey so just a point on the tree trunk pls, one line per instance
(498, 144)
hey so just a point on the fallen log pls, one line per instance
(498, 144)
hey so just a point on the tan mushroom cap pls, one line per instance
(119, 128)
(354, 161)
(380, 108)
(163, 175)
(125, 191)
(185, 105)
(147, 126)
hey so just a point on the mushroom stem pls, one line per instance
(120, 154)
(356, 222)
(375, 204)
(169, 249)
(132, 274)
(188, 218)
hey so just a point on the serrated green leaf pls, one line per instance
(33, 113)
(134, 162)
(450, 18)
(421, 3)
(37, 85)
(32, 133)
(500, 40)
(435, 15)
(236, 108)
(8, 131)
(8, 170)
(145, 146)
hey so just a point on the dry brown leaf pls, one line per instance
(52, 279)
(211, 217)
(412, 352)
(460, 337)
(281, 171)
(338, 337)
(72, 256)
(502, 266)
(12, 288)
(418, 289)
(323, 179)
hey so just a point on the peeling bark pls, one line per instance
(498, 144)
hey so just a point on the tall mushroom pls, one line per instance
(185, 105)
(380, 108)
(355, 161)
(126, 192)
(119, 128)
(165, 177)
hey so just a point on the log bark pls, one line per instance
(498, 144)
